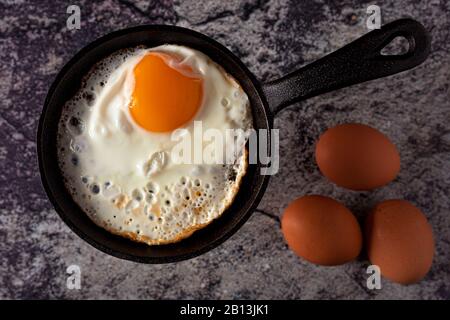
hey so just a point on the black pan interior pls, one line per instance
(67, 84)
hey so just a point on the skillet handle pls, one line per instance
(356, 62)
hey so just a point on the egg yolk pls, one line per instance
(166, 94)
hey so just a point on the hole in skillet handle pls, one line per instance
(397, 47)
(356, 62)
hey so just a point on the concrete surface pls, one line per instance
(272, 38)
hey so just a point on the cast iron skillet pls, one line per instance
(357, 62)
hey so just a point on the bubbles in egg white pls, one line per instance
(122, 176)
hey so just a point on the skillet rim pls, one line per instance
(79, 231)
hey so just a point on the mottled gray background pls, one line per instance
(272, 38)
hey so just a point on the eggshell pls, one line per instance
(321, 230)
(357, 157)
(399, 240)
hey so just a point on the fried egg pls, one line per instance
(116, 138)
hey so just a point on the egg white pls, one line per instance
(123, 176)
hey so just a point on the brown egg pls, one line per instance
(356, 156)
(321, 230)
(399, 240)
